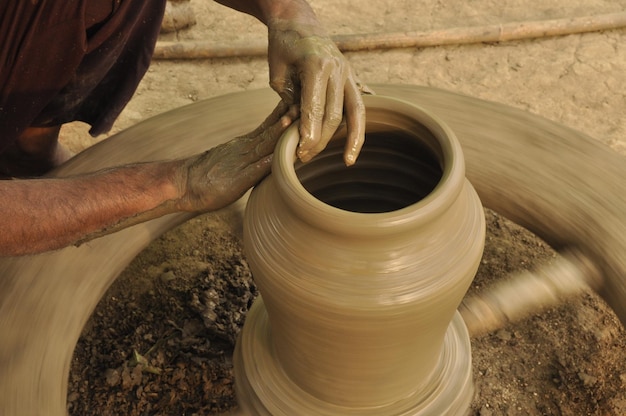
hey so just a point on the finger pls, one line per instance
(282, 81)
(252, 174)
(332, 115)
(355, 122)
(281, 109)
(294, 112)
(265, 142)
(285, 89)
(312, 105)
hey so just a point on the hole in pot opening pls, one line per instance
(395, 169)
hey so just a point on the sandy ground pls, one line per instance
(568, 360)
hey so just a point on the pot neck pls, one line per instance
(401, 130)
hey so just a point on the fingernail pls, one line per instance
(350, 159)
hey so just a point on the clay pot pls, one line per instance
(361, 270)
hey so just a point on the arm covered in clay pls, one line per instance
(307, 69)
(38, 215)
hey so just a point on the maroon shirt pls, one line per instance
(69, 60)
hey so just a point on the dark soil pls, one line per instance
(161, 340)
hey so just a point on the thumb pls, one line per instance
(266, 141)
(252, 174)
(282, 81)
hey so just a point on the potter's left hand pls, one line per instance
(221, 175)
(307, 68)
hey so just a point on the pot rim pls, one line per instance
(337, 220)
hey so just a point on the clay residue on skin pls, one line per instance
(325, 87)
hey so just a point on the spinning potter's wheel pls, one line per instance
(560, 184)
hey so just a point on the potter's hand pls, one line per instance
(220, 176)
(306, 68)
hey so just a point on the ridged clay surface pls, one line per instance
(360, 300)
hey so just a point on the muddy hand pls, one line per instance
(306, 68)
(220, 176)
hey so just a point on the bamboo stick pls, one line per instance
(371, 41)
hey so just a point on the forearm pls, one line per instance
(46, 214)
(268, 10)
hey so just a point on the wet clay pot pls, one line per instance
(361, 270)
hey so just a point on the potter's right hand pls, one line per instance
(220, 176)
(307, 68)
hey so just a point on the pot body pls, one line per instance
(361, 269)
